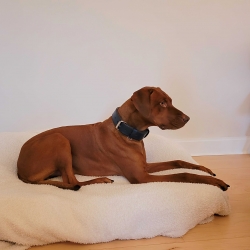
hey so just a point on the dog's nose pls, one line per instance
(185, 118)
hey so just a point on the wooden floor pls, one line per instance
(231, 232)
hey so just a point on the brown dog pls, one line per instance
(111, 147)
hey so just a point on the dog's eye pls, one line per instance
(163, 104)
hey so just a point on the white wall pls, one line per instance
(73, 62)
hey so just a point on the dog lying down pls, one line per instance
(113, 147)
(42, 214)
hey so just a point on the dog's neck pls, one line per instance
(132, 117)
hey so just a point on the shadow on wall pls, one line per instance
(246, 149)
(245, 110)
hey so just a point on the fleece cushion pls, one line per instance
(42, 214)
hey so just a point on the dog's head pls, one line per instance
(156, 106)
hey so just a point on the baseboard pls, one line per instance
(217, 146)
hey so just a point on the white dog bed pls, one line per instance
(42, 214)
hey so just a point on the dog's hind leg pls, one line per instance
(96, 181)
(45, 157)
(60, 184)
(50, 156)
(69, 177)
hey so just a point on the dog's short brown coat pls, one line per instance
(101, 150)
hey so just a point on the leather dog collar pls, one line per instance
(127, 130)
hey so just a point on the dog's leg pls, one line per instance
(60, 184)
(76, 185)
(68, 175)
(160, 166)
(140, 175)
(65, 168)
(184, 177)
(96, 181)
(45, 156)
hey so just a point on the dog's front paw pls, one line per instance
(207, 170)
(219, 183)
(104, 180)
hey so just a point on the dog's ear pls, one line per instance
(142, 100)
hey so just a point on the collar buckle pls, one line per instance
(118, 124)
